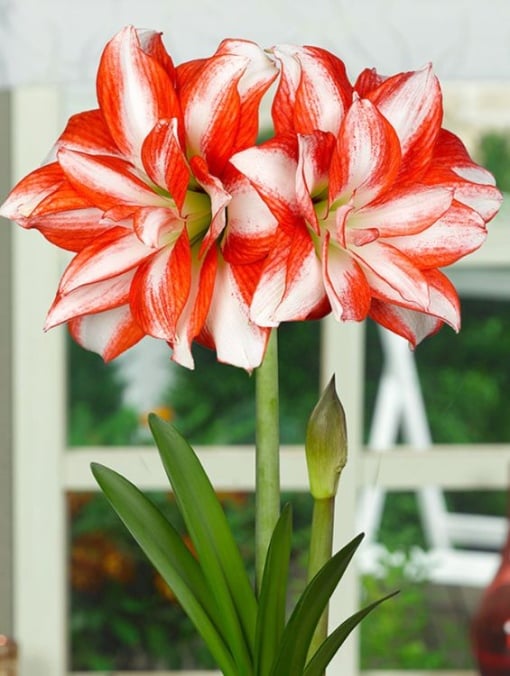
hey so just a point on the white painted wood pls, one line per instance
(39, 550)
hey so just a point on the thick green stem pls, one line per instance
(267, 507)
(321, 548)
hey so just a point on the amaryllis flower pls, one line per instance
(371, 196)
(139, 191)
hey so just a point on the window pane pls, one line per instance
(213, 404)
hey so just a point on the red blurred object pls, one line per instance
(8, 656)
(490, 631)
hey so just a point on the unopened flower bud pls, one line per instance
(326, 444)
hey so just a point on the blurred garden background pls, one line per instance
(123, 616)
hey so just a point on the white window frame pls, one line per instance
(44, 470)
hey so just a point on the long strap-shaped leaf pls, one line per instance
(273, 595)
(217, 551)
(328, 649)
(165, 549)
(298, 633)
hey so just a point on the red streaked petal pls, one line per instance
(368, 155)
(106, 181)
(368, 80)
(415, 326)
(312, 171)
(30, 191)
(458, 232)
(484, 199)
(108, 333)
(72, 230)
(412, 103)
(314, 90)
(255, 81)
(346, 285)
(219, 197)
(87, 132)
(193, 317)
(291, 286)
(212, 110)
(404, 212)
(271, 169)
(151, 42)
(112, 253)
(134, 88)
(473, 185)
(251, 225)
(160, 289)
(412, 325)
(391, 275)
(152, 223)
(165, 161)
(89, 299)
(237, 340)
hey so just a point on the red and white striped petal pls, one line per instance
(258, 76)
(312, 171)
(251, 225)
(211, 109)
(368, 80)
(219, 197)
(238, 341)
(459, 232)
(193, 317)
(106, 181)
(484, 199)
(291, 286)
(30, 191)
(367, 156)
(134, 88)
(87, 133)
(157, 226)
(271, 169)
(444, 306)
(346, 286)
(314, 90)
(412, 103)
(89, 299)
(71, 230)
(160, 289)
(412, 325)
(164, 160)
(108, 333)
(115, 251)
(391, 275)
(404, 212)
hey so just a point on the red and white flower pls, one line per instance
(139, 191)
(371, 196)
(185, 230)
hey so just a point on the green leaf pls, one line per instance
(273, 595)
(217, 551)
(328, 649)
(170, 556)
(300, 628)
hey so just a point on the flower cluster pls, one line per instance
(185, 229)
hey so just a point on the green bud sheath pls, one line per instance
(326, 444)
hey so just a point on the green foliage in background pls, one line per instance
(97, 416)
(215, 403)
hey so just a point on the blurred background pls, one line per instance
(74, 590)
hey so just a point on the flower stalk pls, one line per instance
(326, 456)
(267, 463)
